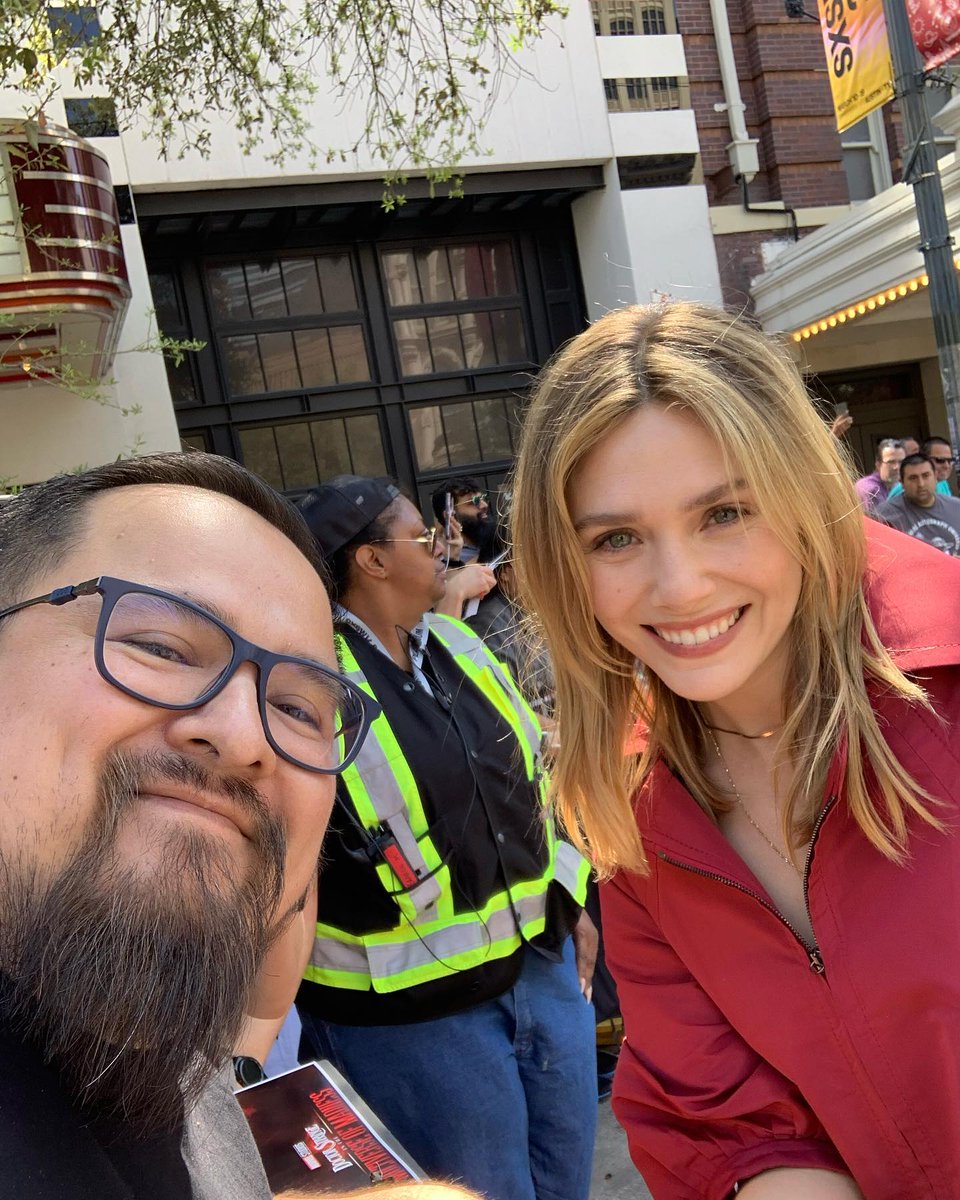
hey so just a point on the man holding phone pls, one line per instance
(462, 505)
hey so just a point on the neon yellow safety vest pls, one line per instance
(432, 940)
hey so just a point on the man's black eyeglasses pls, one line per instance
(942, 462)
(165, 650)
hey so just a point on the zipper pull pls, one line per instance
(816, 962)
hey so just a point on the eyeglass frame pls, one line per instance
(111, 589)
(429, 538)
(474, 498)
(941, 462)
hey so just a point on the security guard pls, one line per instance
(444, 981)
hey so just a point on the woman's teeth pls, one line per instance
(698, 634)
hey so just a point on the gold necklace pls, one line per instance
(746, 812)
(736, 732)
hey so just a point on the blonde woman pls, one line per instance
(782, 908)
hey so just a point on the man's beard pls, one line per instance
(135, 988)
(474, 528)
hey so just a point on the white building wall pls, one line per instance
(46, 429)
(632, 246)
(671, 244)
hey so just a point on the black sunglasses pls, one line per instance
(165, 650)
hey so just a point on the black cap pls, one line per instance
(337, 511)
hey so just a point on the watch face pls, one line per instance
(248, 1071)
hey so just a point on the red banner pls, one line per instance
(936, 29)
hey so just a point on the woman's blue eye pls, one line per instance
(617, 541)
(726, 515)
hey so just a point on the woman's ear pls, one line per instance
(369, 561)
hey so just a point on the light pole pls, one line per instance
(922, 172)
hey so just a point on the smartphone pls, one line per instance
(842, 408)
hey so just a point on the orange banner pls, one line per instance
(858, 57)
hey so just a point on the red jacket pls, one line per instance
(739, 1056)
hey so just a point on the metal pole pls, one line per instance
(921, 170)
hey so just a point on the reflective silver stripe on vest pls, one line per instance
(459, 641)
(385, 961)
(567, 865)
(333, 955)
(387, 801)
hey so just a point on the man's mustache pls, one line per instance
(128, 776)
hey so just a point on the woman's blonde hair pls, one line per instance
(745, 390)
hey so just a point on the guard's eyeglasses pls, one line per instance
(427, 538)
(942, 462)
(476, 499)
(166, 651)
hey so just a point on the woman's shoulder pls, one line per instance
(913, 591)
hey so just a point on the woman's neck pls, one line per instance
(755, 709)
(383, 623)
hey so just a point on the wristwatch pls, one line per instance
(247, 1071)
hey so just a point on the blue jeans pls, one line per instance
(502, 1098)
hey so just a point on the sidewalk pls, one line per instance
(614, 1175)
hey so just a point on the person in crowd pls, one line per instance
(500, 623)
(784, 847)
(444, 981)
(943, 467)
(921, 510)
(173, 722)
(873, 489)
(940, 453)
(461, 504)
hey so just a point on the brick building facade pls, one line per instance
(788, 108)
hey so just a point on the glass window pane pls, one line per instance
(478, 342)
(265, 286)
(445, 343)
(349, 354)
(336, 283)
(183, 389)
(259, 453)
(241, 361)
(296, 455)
(279, 362)
(466, 269)
(493, 428)
(227, 289)
(501, 278)
(429, 439)
(461, 433)
(508, 334)
(366, 445)
(856, 164)
(166, 300)
(434, 271)
(193, 441)
(316, 361)
(400, 274)
(330, 448)
(413, 347)
(302, 286)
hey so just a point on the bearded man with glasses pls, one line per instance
(173, 723)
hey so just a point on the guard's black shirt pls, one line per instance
(485, 821)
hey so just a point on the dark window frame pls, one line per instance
(223, 328)
(517, 300)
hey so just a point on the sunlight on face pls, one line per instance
(685, 572)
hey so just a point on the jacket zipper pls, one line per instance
(813, 954)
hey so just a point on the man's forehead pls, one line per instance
(214, 551)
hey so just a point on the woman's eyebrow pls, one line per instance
(703, 500)
(720, 492)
